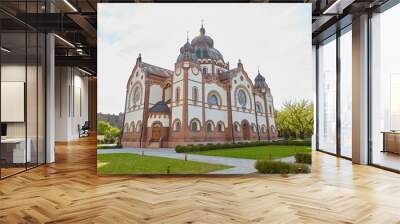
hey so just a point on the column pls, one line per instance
(360, 90)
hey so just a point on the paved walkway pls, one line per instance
(240, 166)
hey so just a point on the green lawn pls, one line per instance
(257, 152)
(126, 163)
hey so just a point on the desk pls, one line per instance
(391, 142)
(13, 150)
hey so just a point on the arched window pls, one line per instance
(132, 129)
(209, 127)
(177, 125)
(258, 108)
(213, 100)
(241, 98)
(220, 126)
(204, 71)
(272, 129)
(237, 127)
(195, 94)
(195, 125)
(177, 95)
(263, 129)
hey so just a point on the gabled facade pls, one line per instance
(201, 101)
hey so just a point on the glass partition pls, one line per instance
(22, 77)
(13, 109)
(385, 89)
(327, 96)
(346, 93)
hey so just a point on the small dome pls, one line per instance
(187, 47)
(186, 52)
(259, 78)
(259, 82)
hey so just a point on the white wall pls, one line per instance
(71, 103)
(134, 116)
(137, 78)
(217, 115)
(163, 119)
(195, 112)
(176, 113)
(156, 94)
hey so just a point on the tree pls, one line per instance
(296, 119)
(103, 127)
(111, 134)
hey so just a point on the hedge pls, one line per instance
(211, 146)
(270, 167)
(116, 146)
(303, 158)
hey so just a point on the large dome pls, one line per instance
(201, 47)
(203, 40)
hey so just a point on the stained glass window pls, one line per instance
(242, 98)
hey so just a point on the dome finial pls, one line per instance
(202, 30)
(240, 65)
(187, 36)
(258, 69)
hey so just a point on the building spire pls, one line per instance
(258, 69)
(240, 65)
(202, 30)
(187, 36)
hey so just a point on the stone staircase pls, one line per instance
(154, 144)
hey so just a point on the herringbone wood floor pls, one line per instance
(69, 191)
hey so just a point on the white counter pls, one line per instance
(19, 154)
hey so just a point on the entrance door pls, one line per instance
(156, 132)
(246, 130)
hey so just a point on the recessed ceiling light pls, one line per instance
(70, 5)
(84, 71)
(64, 40)
(337, 7)
(5, 50)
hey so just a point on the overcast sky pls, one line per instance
(275, 37)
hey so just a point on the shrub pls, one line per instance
(270, 166)
(211, 146)
(179, 148)
(303, 158)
